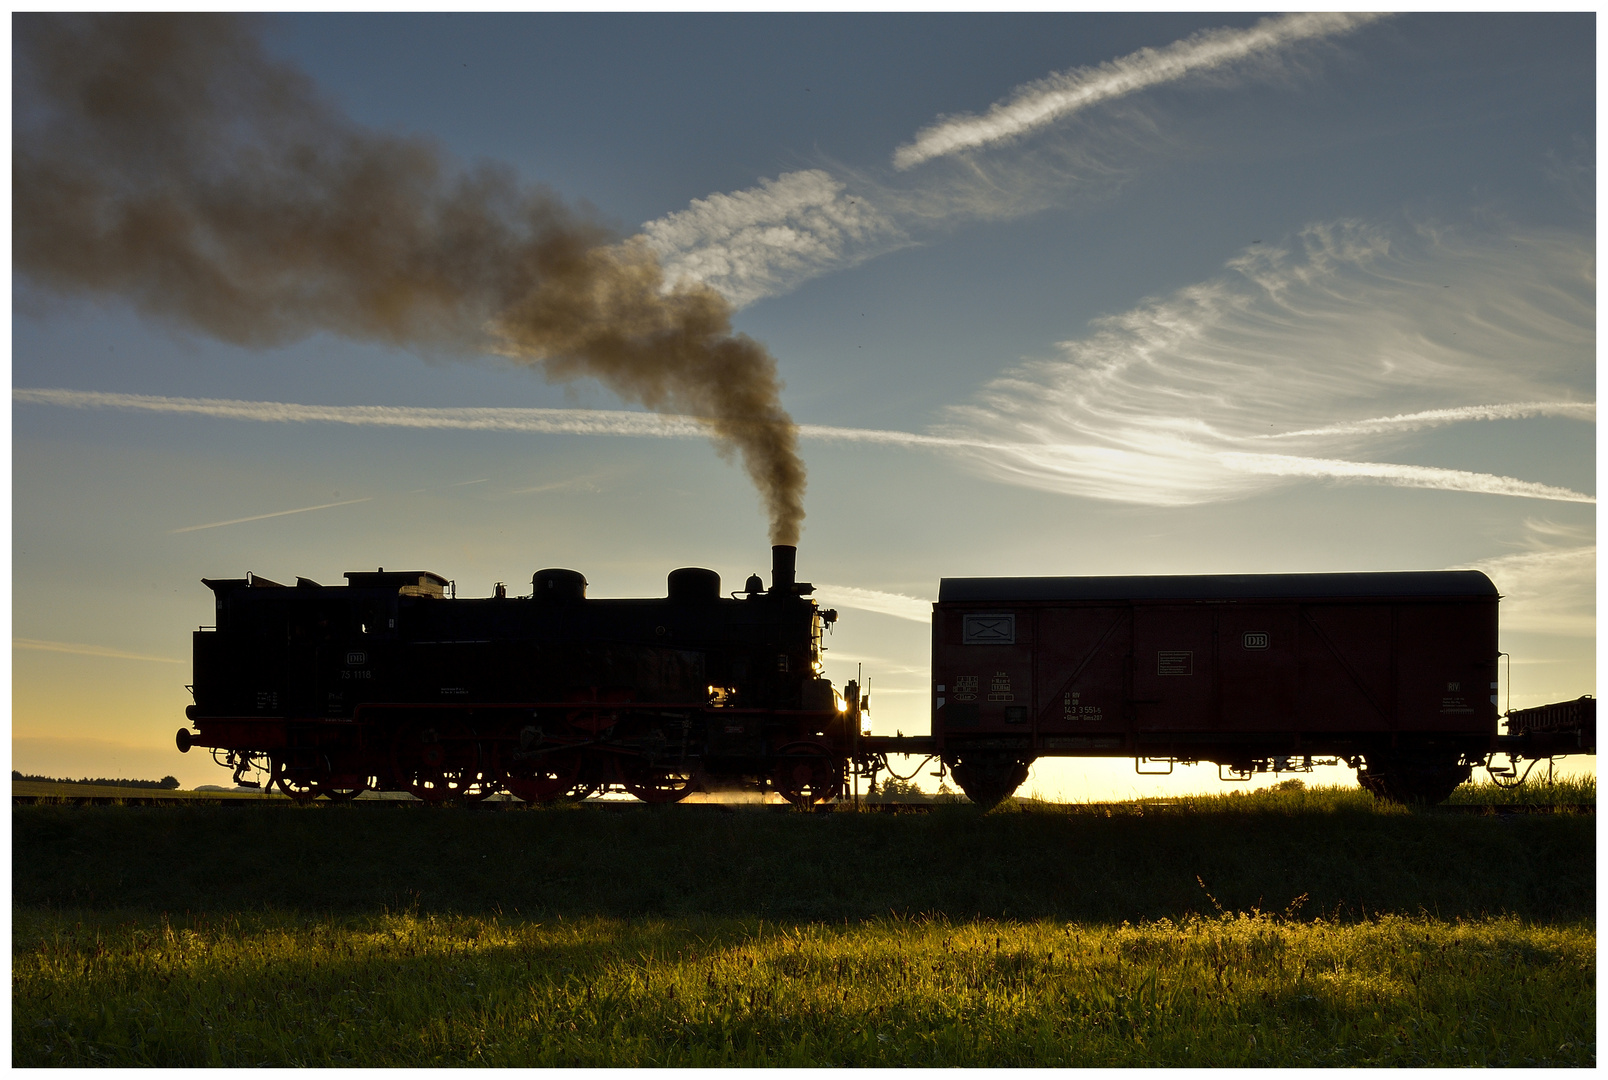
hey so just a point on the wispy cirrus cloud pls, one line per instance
(765, 239)
(1551, 587)
(1059, 95)
(1549, 592)
(1317, 345)
(1165, 471)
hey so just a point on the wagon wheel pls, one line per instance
(988, 779)
(657, 785)
(1411, 779)
(806, 775)
(548, 778)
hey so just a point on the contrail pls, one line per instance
(87, 650)
(1038, 103)
(1044, 458)
(555, 421)
(276, 513)
(1572, 410)
(1415, 476)
(535, 421)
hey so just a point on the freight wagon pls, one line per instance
(1395, 673)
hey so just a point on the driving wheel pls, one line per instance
(437, 770)
(657, 785)
(548, 778)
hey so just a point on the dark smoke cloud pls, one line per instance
(166, 160)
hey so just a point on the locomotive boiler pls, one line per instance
(390, 682)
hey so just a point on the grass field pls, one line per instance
(67, 792)
(1287, 928)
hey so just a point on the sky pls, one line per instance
(1048, 294)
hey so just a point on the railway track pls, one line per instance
(489, 805)
(631, 806)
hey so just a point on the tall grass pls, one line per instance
(1293, 927)
(1137, 861)
(1566, 791)
(410, 989)
(1295, 797)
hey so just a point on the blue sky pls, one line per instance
(1050, 294)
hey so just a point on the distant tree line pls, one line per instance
(167, 783)
(893, 789)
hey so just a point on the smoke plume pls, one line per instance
(166, 160)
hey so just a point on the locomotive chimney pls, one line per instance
(784, 568)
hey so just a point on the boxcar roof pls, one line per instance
(1415, 584)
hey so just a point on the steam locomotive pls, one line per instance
(390, 682)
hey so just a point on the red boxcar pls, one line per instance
(1394, 673)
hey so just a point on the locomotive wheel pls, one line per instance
(653, 785)
(304, 785)
(434, 770)
(989, 779)
(548, 778)
(300, 785)
(472, 784)
(300, 792)
(1412, 779)
(806, 775)
(457, 785)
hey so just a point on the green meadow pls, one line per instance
(1307, 927)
